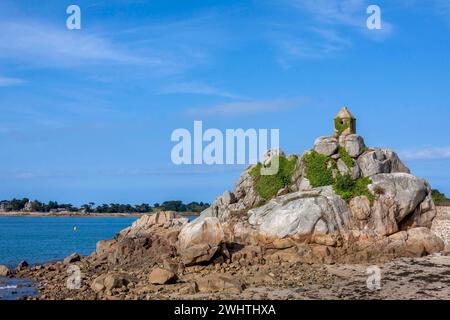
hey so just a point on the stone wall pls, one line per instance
(441, 225)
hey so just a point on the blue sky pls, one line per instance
(87, 114)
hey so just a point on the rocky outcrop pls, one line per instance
(404, 189)
(353, 144)
(200, 240)
(354, 171)
(145, 225)
(396, 205)
(230, 203)
(150, 239)
(302, 214)
(22, 265)
(74, 257)
(326, 145)
(377, 161)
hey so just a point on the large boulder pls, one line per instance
(109, 281)
(162, 276)
(406, 190)
(145, 224)
(415, 242)
(423, 215)
(353, 172)
(426, 239)
(399, 197)
(353, 144)
(374, 162)
(302, 214)
(380, 161)
(326, 145)
(199, 240)
(245, 191)
(377, 219)
(105, 246)
(74, 257)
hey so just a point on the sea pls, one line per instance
(44, 239)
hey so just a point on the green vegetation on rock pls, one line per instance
(345, 157)
(318, 169)
(267, 186)
(341, 125)
(319, 172)
(347, 188)
(439, 198)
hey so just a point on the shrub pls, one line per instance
(267, 186)
(439, 198)
(345, 157)
(345, 187)
(318, 169)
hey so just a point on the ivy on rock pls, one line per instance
(347, 188)
(267, 186)
(318, 169)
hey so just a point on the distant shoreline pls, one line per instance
(84, 215)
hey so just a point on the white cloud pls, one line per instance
(197, 88)
(431, 153)
(6, 81)
(246, 107)
(345, 13)
(154, 47)
(41, 44)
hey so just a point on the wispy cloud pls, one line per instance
(46, 45)
(240, 108)
(292, 47)
(342, 12)
(432, 153)
(197, 88)
(349, 14)
(7, 82)
(331, 26)
(158, 46)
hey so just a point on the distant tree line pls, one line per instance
(36, 206)
(439, 198)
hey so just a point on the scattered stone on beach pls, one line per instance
(162, 276)
(188, 289)
(219, 283)
(109, 281)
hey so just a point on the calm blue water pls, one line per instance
(43, 239)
